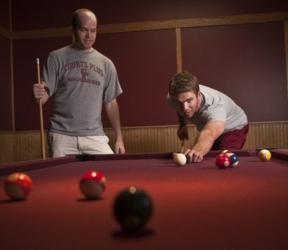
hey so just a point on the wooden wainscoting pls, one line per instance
(20, 146)
(6, 146)
(267, 135)
(164, 139)
(151, 138)
(25, 145)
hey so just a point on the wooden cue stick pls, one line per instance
(182, 146)
(41, 115)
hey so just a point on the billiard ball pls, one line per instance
(225, 151)
(179, 159)
(92, 184)
(222, 161)
(18, 186)
(132, 209)
(264, 155)
(234, 161)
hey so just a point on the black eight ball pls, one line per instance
(132, 208)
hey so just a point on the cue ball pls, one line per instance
(264, 155)
(222, 161)
(18, 186)
(180, 159)
(92, 184)
(132, 209)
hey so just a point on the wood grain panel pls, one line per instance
(151, 139)
(25, 145)
(179, 60)
(268, 135)
(159, 25)
(5, 33)
(6, 146)
(286, 53)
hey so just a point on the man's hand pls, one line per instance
(119, 147)
(112, 110)
(193, 155)
(205, 140)
(39, 92)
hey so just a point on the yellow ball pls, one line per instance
(264, 155)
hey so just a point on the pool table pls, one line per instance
(196, 206)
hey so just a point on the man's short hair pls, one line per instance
(183, 82)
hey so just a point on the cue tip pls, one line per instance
(37, 60)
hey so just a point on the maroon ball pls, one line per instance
(92, 184)
(222, 161)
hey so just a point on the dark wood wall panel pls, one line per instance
(25, 54)
(5, 86)
(4, 14)
(34, 14)
(245, 61)
(145, 62)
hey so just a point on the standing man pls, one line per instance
(81, 79)
(221, 123)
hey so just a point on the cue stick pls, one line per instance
(41, 114)
(182, 146)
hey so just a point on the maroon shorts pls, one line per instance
(231, 140)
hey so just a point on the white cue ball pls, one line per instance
(180, 159)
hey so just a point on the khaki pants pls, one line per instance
(62, 145)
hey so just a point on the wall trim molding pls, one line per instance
(147, 127)
(158, 25)
(5, 33)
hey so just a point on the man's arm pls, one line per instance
(113, 113)
(205, 140)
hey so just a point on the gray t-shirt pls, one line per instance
(216, 106)
(79, 81)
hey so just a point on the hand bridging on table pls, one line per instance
(193, 155)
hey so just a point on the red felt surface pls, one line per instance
(197, 206)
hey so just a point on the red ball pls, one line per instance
(92, 184)
(222, 161)
(18, 186)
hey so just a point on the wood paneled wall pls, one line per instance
(25, 145)
(21, 41)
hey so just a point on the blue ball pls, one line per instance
(234, 160)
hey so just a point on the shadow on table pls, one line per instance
(122, 234)
(89, 200)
